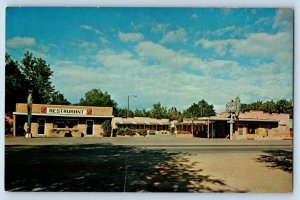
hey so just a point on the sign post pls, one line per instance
(29, 114)
(233, 108)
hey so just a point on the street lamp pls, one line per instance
(128, 104)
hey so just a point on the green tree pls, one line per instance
(158, 111)
(173, 114)
(15, 86)
(141, 113)
(201, 109)
(121, 112)
(96, 97)
(269, 106)
(106, 125)
(58, 99)
(37, 78)
(284, 106)
(281, 106)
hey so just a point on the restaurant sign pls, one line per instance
(66, 111)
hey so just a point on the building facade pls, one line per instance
(249, 125)
(86, 121)
(61, 120)
(146, 123)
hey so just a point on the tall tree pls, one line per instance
(158, 111)
(96, 97)
(15, 90)
(201, 109)
(173, 113)
(37, 77)
(121, 112)
(141, 113)
(284, 106)
(269, 106)
(58, 99)
(281, 106)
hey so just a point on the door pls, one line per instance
(240, 131)
(89, 127)
(41, 126)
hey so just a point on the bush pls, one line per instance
(130, 132)
(106, 128)
(142, 132)
(120, 131)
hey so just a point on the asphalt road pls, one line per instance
(147, 166)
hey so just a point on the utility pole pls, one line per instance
(128, 105)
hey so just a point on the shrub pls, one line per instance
(106, 128)
(142, 132)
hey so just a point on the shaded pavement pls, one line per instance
(106, 168)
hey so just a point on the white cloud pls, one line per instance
(132, 37)
(104, 40)
(284, 18)
(159, 28)
(220, 46)
(263, 45)
(112, 59)
(263, 21)
(179, 35)
(90, 28)
(17, 42)
(87, 45)
(136, 27)
(224, 30)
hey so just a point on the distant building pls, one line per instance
(146, 123)
(61, 120)
(249, 125)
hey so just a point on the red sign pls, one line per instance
(89, 111)
(43, 109)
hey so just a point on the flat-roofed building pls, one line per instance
(146, 123)
(61, 120)
(248, 125)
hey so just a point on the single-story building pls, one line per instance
(146, 123)
(248, 125)
(61, 120)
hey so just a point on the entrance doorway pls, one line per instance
(89, 127)
(41, 126)
(240, 131)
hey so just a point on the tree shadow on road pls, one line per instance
(104, 168)
(278, 159)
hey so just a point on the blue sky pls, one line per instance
(175, 56)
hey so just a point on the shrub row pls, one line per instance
(130, 132)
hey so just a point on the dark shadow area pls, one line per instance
(278, 159)
(104, 168)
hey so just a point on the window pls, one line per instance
(252, 127)
(58, 123)
(65, 123)
(71, 123)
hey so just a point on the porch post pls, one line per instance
(208, 128)
(14, 126)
